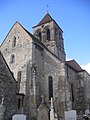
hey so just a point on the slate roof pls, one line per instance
(73, 64)
(46, 19)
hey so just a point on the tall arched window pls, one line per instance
(19, 76)
(48, 34)
(50, 80)
(18, 80)
(19, 103)
(14, 42)
(12, 59)
(40, 36)
(72, 92)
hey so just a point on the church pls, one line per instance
(37, 66)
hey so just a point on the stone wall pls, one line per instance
(7, 89)
(49, 65)
(77, 89)
(84, 80)
(23, 57)
(72, 79)
(22, 50)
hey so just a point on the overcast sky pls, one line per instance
(73, 16)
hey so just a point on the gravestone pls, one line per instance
(53, 115)
(2, 109)
(19, 117)
(87, 112)
(70, 115)
(43, 111)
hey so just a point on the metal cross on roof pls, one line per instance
(47, 8)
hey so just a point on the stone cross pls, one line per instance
(51, 103)
(2, 100)
(2, 109)
(43, 98)
(43, 110)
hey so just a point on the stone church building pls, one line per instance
(38, 65)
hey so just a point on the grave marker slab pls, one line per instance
(70, 115)
(19, 117)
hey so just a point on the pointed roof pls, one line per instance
(47, 18)
(73, 64)
(21, 27)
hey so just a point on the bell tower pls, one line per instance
(51, 35)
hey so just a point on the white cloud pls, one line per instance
(67, 59)
(86, 67)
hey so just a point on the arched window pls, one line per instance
(50, 80)
(18, 80)
(19, 103)
(14, 42)
(19, 76)
(12, 59)
(72, 92)
(48, 34)
(40, 36)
